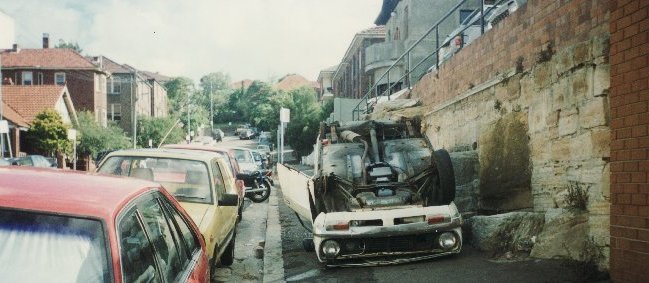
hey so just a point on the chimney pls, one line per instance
(15, 48)
(46, 40)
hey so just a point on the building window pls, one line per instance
(115, 112)
(40, 79)
(115, 86)
(28, 78)
(464, 16)
(59, 78)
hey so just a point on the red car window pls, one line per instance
(138, 264)
(51, 248)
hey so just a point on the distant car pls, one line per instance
(260, 160)
(33, 161)
(218, 135)
(63, 226)
(203, 140)
(202, 184)
(246, 134)
(265, 139)
(4, 162)
(264, 149)
(255, 131)
(246, 159)
(228, 156)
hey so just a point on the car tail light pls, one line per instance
(339, 227)
(434, 219)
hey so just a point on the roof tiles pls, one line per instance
(49, 58)
(28, 101)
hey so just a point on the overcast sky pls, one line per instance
(249, 39)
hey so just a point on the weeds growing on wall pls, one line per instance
(577, 196)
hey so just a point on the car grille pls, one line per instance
(408, 243)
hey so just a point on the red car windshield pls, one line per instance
(51, 248)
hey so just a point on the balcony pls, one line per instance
(381, 55)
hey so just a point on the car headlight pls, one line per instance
(447, 240)
(330, 248)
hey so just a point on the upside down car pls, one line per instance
(380, 195)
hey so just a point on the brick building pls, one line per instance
(127, 87)
(55, 66)
(350, 79)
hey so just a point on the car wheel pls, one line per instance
(240, 213)
(444, 192)
(227, 258)
(308, 245)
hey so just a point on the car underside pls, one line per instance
(380, 195)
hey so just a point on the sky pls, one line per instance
(248, 39)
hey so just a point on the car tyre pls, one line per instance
(444, 193)
(227, 258)
(260, 196)
(240, 213)
(308, 245)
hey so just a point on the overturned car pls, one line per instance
(379, 195)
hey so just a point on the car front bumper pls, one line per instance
(391, 241)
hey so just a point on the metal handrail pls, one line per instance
(356, 112)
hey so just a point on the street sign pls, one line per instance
(4, 127)
(285, 115)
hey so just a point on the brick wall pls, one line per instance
(629, 98)
(80, 84)
(520, 36)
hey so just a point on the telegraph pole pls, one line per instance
(211, 109)
(133, 108)
(189, 121)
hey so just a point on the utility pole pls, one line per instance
(133, 108)
(211, 109)
(189, 121)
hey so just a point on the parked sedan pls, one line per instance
(63, 226)
(201, 183)
(229, 158)
(246, 134)
(246, 159)
(32, 160)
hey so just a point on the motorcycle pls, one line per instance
(258, 184)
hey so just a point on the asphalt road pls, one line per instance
(469, 266)
(301, 266)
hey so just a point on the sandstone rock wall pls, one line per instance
(524, 111)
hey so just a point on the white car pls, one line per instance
(380, 195)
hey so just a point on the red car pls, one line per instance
(228, 156)
(61, 226)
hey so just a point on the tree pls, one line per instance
(216, 89)
(155, 129)
(94, 138)
(302, 131)
(48, 135)
(69, 45)
(327, 109)
(177, 92)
